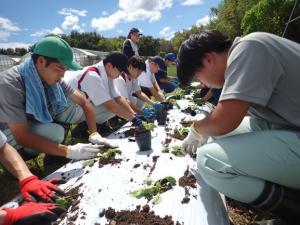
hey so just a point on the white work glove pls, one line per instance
(192, 141)
(96, 138)
(82, 151)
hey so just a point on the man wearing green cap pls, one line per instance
(32, 95)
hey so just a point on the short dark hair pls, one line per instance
(193, 50)
(118, 60)
(49, 60)
(137, 62)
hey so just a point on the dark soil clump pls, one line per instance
(187, 181)
(110, 160)
(137, 216)
(190, 111)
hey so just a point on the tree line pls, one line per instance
(233, 17)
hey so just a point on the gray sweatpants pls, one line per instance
(238, 163)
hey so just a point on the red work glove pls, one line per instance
(32, 213)
(45, 190)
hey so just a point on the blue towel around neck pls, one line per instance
(42, 102)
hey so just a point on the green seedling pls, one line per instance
(198, 101)
(165, 150)
(182, 131)
(176, 150)
(174, 103)
(109, 153)
(148, 181)
(186, 122)
(180, 93)
(89, 162)
(63, 202)
(193, 106)
(160, 186)
(149, 126)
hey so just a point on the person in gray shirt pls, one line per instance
(253, 159)
(32, 95)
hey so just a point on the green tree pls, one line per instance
(271, 16)
(149, 46)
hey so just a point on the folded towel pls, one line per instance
(42, 102)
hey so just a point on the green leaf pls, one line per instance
(143, 192)
(157, 199)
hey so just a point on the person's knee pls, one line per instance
(212, 164)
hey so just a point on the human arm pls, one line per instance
(141, 95)
(226, 117)
(121, 109)
(29, 184)
(208, 95)
(157, 93)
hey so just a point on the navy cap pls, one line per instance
(170, 56)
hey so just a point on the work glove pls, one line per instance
(32, 213)
(148, 113)
(158, 106)
(82, 151)
(137, 121)
(192, 141)
(96, 138)
(45, 190)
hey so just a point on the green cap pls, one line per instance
(57, 48)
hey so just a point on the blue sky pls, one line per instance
(23, 22)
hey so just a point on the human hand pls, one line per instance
(82, 151)
(161, 96)
(158, 106)
(96, 138)
(137, 121)
(45, 190)
(192, 141)
(32, 213)
(148, 113)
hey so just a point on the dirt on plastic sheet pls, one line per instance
(139, 216)
(187, 181)
(111, 160)
(75, 198)
(189, 110)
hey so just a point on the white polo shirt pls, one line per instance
(147, 79)
(99, 88)
(126, 87)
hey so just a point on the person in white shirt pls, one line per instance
(148, 82)
(128, 86)
(97, 84)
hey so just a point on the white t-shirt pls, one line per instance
(147, 79)
(99, 88)
(3, 139)
(127, 87)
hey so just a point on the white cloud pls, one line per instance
(7, 28)
(7, 25)
(132, 10)
(56, 31)
(119, 31)
(71, 23)
(44, 32)
(192, 2)
(108, 23)
(104, 13)
(202, 21)
(14, 45)
(179, 16)
(167, 33)
(4, 35)
(40, 33)
(70, 12)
